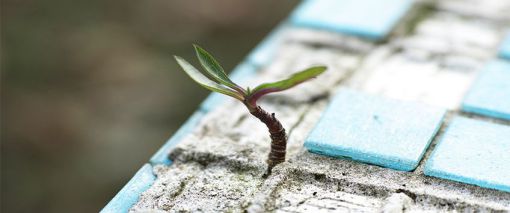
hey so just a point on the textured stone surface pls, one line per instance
(366, 18)
(451, 34)
(308, 182)
(474, 152)
(431, 57)
(435, 64)
(427, 193)
(425, 81)
(375, 130)
(181, 186)
(490, 94)
(491, 9)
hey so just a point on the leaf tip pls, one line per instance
(318, 70)
(322, 68)
(178, 58)
(197, 47)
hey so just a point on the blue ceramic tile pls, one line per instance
(265, 51)
(161, 156)
(490, 94)
(372, 19)
(474, 152)
(240, 75)
(504, 51)
(375, 130)
(130, 193)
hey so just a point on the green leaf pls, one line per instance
(290, 82)
(214, 69)
(198, 77)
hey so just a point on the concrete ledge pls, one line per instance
(219, 160)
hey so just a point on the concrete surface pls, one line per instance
(432, 56)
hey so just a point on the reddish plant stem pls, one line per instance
(277, 134)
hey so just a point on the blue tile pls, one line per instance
(240, 75)
(474, 152)
(490, 94)
(372, 19)
(375, 130)
(265, 51)
(130, 193)
(504, 51)
(161, 156)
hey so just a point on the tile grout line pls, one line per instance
(434, 141)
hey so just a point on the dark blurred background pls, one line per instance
(90, 91)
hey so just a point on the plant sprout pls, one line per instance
(216, 80)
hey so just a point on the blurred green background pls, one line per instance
(89, 90)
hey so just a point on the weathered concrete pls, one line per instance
(433, 59)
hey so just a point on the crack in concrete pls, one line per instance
(424, 192)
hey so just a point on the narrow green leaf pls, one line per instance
(290, 82)
(214, 69)
(198, 77)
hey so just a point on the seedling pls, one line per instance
(217, 80)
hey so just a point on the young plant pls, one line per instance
(217, 80)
